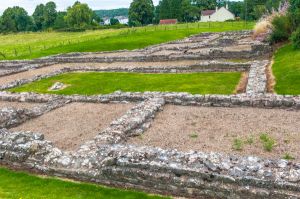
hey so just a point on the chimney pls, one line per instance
(227, 6)
(216, 8)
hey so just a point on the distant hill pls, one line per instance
(112, 13)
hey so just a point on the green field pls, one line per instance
(35, 45)
(18, 185)
(286, 69)
(92, 83)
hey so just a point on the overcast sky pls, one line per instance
(30, 5)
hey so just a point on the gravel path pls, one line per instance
(21, 105)
(215, 129)
(70, 126)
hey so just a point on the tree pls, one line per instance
(205, 4)
(141, 12)
(16, 19)
(114, 21)
(79, 15)
(38, 16)
(60, 22)
(49, 14)
(164, 9)
(190, 12)
(294, 12)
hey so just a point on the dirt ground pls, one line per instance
(215, 129)
(70, 126)
(4, 104)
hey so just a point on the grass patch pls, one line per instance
(287, 156)
(193, 135)
(267, 141)
(238, 144)
(91, 83)
(286, 69)
(35, 45)
(16, 185)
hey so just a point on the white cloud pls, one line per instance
(30, 5)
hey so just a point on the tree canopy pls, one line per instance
(141, 12)
(79, 15)
(16, 19)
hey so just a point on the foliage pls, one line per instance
(114, 21)
(237, 144)
(141, 12)
(45, 15)
(281, 29)
(267, 141)
(16, 19)
(194, 135)
(60, 22)
(91, 83)
(296, 39)
(287, 70)
(22, 185)
(112, 13)
(294, 12)
(79, 15)
(287, 156)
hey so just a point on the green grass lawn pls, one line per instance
(35, 45)
(286, 69)
(91, 83)
(19, 185)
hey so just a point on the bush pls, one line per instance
(296, 39)
(281, 29)
(267, 141)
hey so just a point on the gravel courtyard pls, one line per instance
(70, 126)
(215, 129)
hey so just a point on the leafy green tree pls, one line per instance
(141, 12)
(16, 19)
(189, 13)
(60, 22)
(38, 16)
(79, 15)
(164, 9)
(205, 4)
(49, 15)
(294, 12)
(114, 21)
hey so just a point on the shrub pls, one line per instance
(237, 144)
(267, 141)
(281, 29)
(296, 39)
(287, 156)
(194, 135)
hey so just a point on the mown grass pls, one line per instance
(35, 45)
(286, 69)
(91, 83)
(19, 185)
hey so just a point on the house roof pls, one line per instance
(207, 12)
(168, 21)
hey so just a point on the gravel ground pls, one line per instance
(70, 126)
(215, 129)
(4, 104)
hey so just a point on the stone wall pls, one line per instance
(192, 174)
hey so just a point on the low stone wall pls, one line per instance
(183, 99)
(11, 117)
(193, 174)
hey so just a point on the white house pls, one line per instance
(220, 14)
